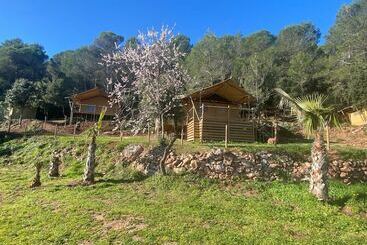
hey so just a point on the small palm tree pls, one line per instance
(90, 164)
(36, 182)
(55, 163)
(38, 164)
(314, 116)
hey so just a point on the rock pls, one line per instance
(343, 175)
(185, 161)
(250, 175)
(218, 151)
(273, 165)
(194, 164)
(180, 170)
(218, 167)
(140, 167)
(132, 152)
(346, 169)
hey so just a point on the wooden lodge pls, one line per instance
(89, 104)
(219, 113)
(358, 118)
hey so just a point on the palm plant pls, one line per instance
(55, 164)
(36, 182)
(90, 164)
(38, 164)
(314, 116)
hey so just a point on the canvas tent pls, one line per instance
(218, 112)
(89, 104)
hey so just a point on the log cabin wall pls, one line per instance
(209, 121)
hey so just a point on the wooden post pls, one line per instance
(201, 123)
(193, 123)
(55, 133)
(9, 124)
(66, 118)
(162, 126)
(148, 134)
(226, 136)
(94, 113)
(74, 132)
(44, 122)
(327, 138)
(71, 104)
(228, 125)
(182, 132)
(276, 133)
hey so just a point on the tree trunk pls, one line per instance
(327, 138)
(157, 127)
(54, 165)
(37, 177)
(319, 169)
(9, 125)
(162, 126)
(90, 163)
(20, 120)
(275, 133)
(162, 165)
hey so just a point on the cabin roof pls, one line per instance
(227, 89)
(94, 92)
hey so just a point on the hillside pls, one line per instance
(127, 207)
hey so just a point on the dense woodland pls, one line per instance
(292, 60)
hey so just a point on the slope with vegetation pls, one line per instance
(124, 206)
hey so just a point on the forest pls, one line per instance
(293, 60)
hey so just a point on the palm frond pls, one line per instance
(287, 100)
(101, 116)
(311, 111)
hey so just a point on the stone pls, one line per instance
(180, 170)
(343, 175)
(140, 167)
(194, 164)
(185, 161)
(250, 175)
(218, 151)
(273, 165)
(131, 152)
(346, 169)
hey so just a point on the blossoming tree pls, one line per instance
(147, 78)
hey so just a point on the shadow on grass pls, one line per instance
(122, 180)
(342, 201)
(5, 136)
(126, 178)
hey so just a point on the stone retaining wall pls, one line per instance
(224, 164)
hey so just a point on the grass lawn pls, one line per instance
(124, 207)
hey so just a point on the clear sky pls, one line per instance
(60, 25)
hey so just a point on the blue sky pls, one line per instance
(67, 24)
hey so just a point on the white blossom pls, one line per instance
(146, 79)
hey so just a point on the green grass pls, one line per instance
(124, 207)
(182, 209)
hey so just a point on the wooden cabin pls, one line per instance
(218, 112)
(358, 118)
(89, 104)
